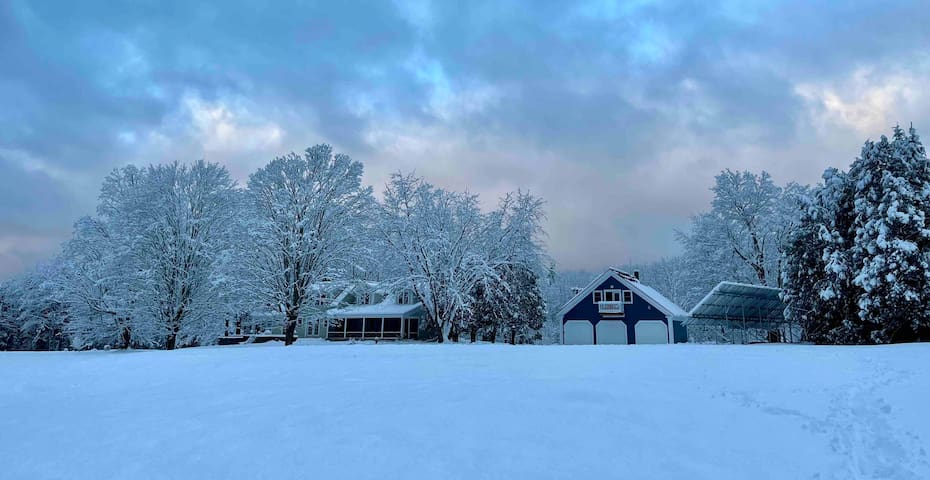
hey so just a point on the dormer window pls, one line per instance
(322, 299)
(405, 298)
(364, 298)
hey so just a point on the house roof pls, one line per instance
(377, 310)
(651, 295)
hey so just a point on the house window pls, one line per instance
(405, 298)
(322, 299)
(627, 296)
(364, 299)
(598, 296)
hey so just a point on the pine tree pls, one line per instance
(527, 306)
(836, 294)
(818, 289)
(804, 270)
(892, 238)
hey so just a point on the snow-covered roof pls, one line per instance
(651, 295)
(386, 308)
(662, 302)
(731, 301)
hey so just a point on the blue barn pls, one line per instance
(616, 309)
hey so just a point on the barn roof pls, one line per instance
(739, 302)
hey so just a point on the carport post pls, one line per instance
(743, 310)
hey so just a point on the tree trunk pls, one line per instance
(513, 336)
(172, 342)
(290, 328)
(442, 331)
(474, 334)
(454, 333)
(125, 338)
(493, 334)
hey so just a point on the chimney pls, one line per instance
(636, 275)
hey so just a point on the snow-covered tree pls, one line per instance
(818, 289)
(191, 210)
(438, 238)
(45, 318)
(742, 238)
(511, 304)
(307, 225)
(444, 246)
(858, 263)
(31, 317)
(9, 328)
(525, 307)
(99, 285)
(671, 277)
(144, 273)
(892, 243)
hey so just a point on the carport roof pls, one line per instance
(739, 302)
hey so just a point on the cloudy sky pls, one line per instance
(617, 113)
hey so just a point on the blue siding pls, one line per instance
(681, 333)
(640, 309)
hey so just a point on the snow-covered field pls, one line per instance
(468, 411)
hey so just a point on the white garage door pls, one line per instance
(651, 331)
(578, 332)
(611, 332)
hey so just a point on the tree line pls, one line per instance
(176, 250)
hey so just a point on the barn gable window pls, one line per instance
(610, 295)
(613, 295)
(627, 296)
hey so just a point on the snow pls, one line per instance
(662, 302)
(385, 308)
(322, 410)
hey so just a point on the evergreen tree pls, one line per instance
(511, 302)
(818, 290)
(525, 305)
(871, 281)
(892, 238)
(804, 269)
(836, 294)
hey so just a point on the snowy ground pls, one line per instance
(464, 411)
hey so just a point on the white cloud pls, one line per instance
(229, 126)
(868, 101)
